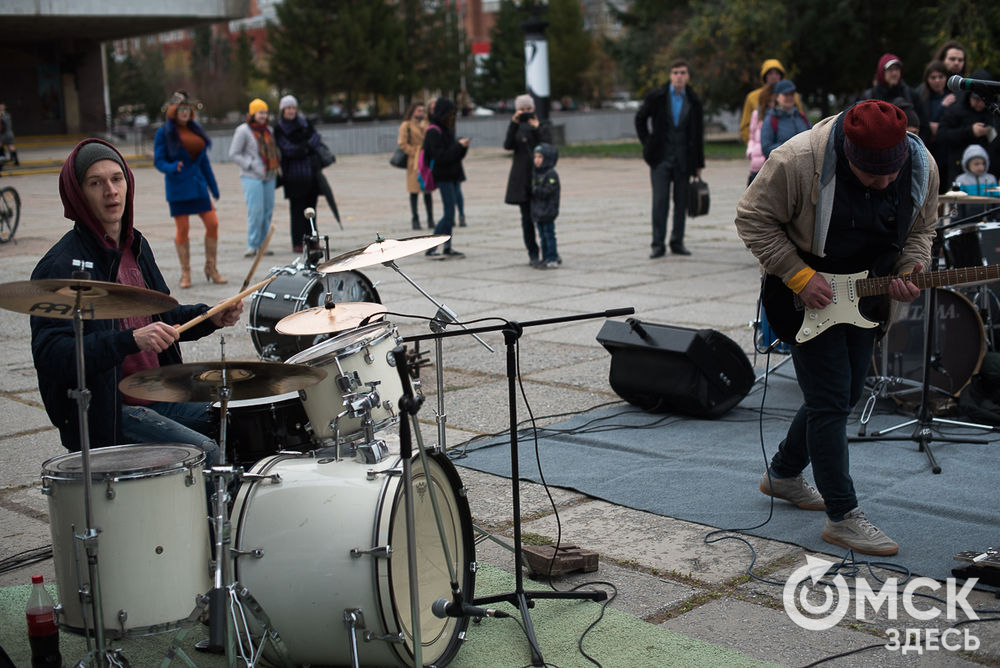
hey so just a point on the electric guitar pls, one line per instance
(793, 322)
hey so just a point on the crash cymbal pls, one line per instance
(383, 250)
(99, 300)
(201, 381)
(323, 320)
(959, 197)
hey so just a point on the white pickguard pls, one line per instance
(843, 309)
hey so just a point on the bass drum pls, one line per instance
(325, 529)
(297, 288)
(960, 345)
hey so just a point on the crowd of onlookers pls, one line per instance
(950, 124)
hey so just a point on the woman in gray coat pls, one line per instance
(254, 150)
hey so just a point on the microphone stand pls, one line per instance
(519, 598)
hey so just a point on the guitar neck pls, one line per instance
(879, 285)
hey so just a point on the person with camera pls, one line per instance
(524, 133)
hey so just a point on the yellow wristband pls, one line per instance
(800, 279)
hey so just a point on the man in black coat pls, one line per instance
(97, 191)
(674, 149)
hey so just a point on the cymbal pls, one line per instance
(99, 300)
(323, 320)
(959, 197)
(383, 250)
(201, 381)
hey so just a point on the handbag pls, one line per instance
(325, 155)
(698, 198)
(398, 159)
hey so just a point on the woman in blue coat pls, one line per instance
(180, 151)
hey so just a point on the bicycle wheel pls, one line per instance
(10, 213)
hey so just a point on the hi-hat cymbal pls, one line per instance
(323, 320)
(383, 250)
(201, 381)
(960, 197)
(99, 300)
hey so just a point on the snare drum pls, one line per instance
(960, 344)
(148, 501)
(325, 529)
(297, 288)
(258, 428)
(351, 359)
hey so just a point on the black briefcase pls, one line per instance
(698, 199)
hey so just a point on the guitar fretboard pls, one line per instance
(879, 285)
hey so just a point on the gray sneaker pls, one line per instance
(794, 490)
(857, 533)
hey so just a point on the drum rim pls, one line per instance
(196, 458)
(970, 228)
(386, 592)
(322, 358)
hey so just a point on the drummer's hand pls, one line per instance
(229, 316)
(817, 293)
(902, 290)
(156, 336)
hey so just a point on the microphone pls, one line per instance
(957, 84)
(444, 608)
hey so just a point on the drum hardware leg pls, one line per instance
(354, 620)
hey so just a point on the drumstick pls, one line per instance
(256, 260)
(222, 306)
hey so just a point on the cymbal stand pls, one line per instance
(227, 594)
(89, 538)
(442, 319)
(924, 421)
(519, 598)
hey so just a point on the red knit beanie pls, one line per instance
(875, 137)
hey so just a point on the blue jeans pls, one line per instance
(459, 200)
(831, 372)
(259, 196)
(448, 199)
(661, 177)
(547, 235)
(183, 422)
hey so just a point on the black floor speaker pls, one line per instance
(699, 372)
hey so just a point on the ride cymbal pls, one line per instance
(961, 197)
(324, 320)
(383, 250)
(99, 300)
(201, 381)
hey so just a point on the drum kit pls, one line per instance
(934, 348)
(330, 550)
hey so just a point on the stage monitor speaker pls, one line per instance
(699, 372)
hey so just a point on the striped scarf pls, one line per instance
(265, 144)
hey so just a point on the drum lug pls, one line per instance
(380, 552)
(122, 618)
(372, 474)
(275, 478)
(368, 357)
(473, 567)
(256, 553)
(46, 487)
(389, 637)
(109, 493)
(189, 480)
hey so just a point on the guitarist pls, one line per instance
(855, 192)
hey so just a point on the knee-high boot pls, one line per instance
(184, 255)
(211, 272)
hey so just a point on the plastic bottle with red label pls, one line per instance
(43, 634)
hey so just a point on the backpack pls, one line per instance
(425, 172)
(774, 121)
